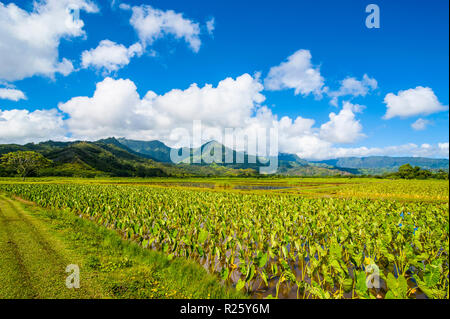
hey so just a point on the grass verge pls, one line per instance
(37, 244)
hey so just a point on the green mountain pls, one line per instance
(154, 149)
(288, 164)
(285, 157)
(381, 164)
(109, 157)
(161, 152)
(122, 157)
(104, 157)
(291, 164)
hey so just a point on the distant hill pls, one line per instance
(109, 157)
(386, 163)
(154, 149)
(285, 157)
(123, 157)
(104, 157)
(161, 152)
(289, 164)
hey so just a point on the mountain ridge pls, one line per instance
(387, 162)
(342, 162)
(123, 157)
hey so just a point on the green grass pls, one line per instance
(37, 245)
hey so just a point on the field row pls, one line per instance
(280, 246)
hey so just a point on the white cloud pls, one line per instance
(300, 137)
(29, 41)
(354, 87)
(443, 147)
(12, 94)
(111, 110)
(410, 149)
(420, 124)
(296, 73)
(210, 26)
(125, 6)
(23, 126)
(420, 100)
(116, 108)
(110, 56)
(228, 104)
(343, 127)
(152, 24)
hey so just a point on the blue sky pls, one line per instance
(409, 52)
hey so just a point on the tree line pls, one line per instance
(28, 163)
(407, 171)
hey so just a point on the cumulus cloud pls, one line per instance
(23, 126)
(152, 24)
(410, 149)
(301, 137)
(443, 147)
(12, 94)
(352, 86)
(117, 109)
(29, 41)
(110, 56)
(343, 127)
(110, 111)
(420, 124)
(297, 73)
(418, 101)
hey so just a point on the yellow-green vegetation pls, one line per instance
(273, 241)
(38, 244)
(429, 190)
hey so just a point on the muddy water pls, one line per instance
(185, 184)
(286, 290)
(259, 187)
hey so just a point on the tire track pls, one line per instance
(15, 254)
(34, 260)
(41, 266)
(37, 236)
